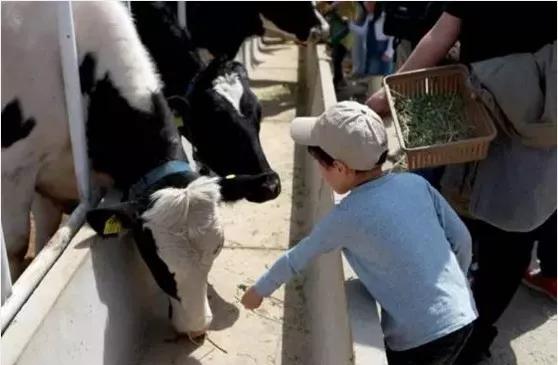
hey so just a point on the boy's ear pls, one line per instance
(340, 166)
(110, 221)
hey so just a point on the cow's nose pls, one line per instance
(272, 186)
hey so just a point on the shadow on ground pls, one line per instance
(528, 313)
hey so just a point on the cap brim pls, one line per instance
(301, 130)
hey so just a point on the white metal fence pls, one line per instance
(6, 277)
(14, 296)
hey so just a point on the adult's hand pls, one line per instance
(379, 103)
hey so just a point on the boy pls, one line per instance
(403, 240)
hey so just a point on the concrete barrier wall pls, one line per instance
(344, 317)
(324, 289)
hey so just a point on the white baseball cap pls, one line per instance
(348, 131)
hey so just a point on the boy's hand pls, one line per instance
(251, 299)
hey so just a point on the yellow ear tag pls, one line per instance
(228, 177)
(178, 121)
(112, 226)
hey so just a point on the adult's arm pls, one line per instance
(429, 52)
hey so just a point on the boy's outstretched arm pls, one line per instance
(328, 235)
(456, 231)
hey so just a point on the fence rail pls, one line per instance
(14, 296)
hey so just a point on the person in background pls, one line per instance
(512, 193)
(378, 47)
(358, 52)
(339, 14)
(403, 240)
(408, 22)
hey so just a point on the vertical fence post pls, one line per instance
(6, 277)
(72, 90)
(34, 273)
(182, 14)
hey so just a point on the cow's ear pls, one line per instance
(110, 221)
(181, 114)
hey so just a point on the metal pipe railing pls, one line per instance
(72, 89)
(32, 276)
(6, 277)
(182, 22)
(36, 271)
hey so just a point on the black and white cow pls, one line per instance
(221, 115)
(170, 46)
(131, 140)
(222, 26)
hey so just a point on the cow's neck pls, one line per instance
(176, 56)
(125, 142)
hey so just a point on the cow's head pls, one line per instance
(222, 121)
(300, 19)
(170, 210)
(178, 234)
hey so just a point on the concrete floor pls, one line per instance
(256, 234)
(527, 332)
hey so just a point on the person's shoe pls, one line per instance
(534, 280)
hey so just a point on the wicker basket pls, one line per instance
(442, 80)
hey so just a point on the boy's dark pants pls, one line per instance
(442, 351)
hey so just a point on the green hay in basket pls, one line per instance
(432, 119)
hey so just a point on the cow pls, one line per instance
(222, 26)
(215, 102)
(132, 142)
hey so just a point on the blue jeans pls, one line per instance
(358, 54)
(377, 66)
(374, 51)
